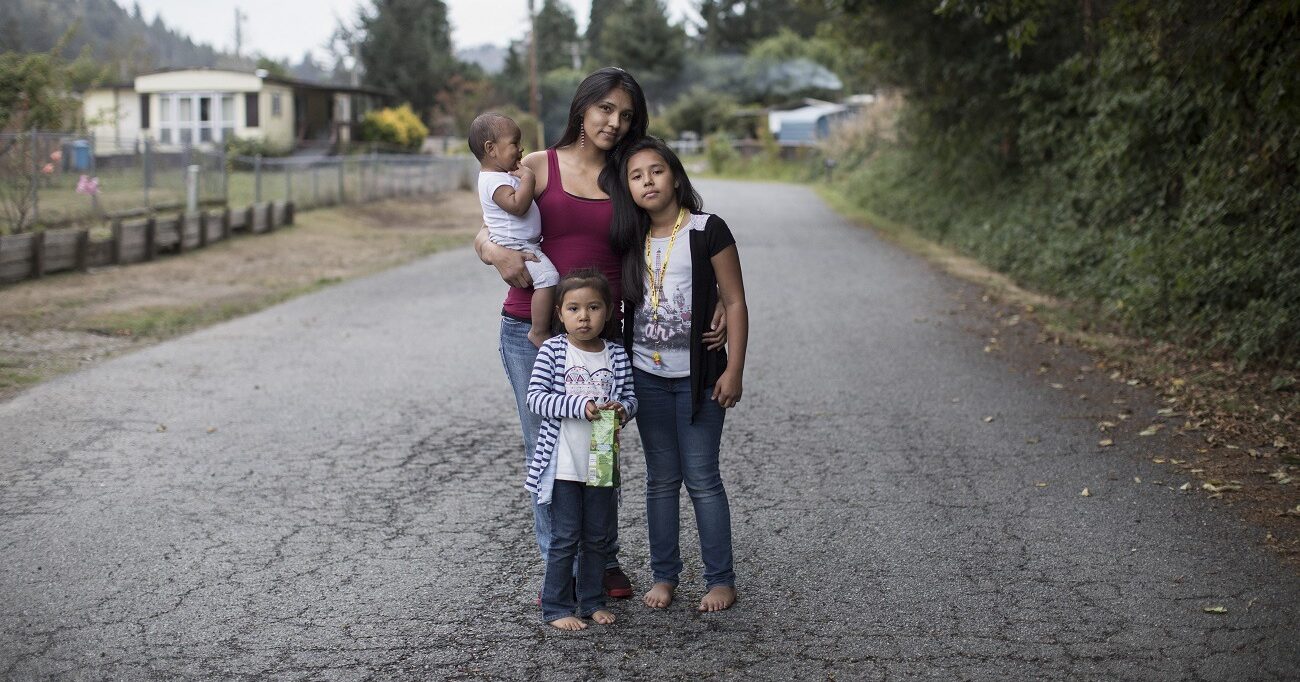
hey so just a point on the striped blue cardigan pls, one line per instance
(546, 397)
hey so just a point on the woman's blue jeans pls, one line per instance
(678, 451)
(517, 356)
(579, 522)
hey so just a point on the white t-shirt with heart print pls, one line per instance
(589, 375)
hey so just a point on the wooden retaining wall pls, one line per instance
(133, 240)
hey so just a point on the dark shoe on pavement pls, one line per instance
(616, 583)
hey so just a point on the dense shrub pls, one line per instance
(399, 127)
(1145, 160)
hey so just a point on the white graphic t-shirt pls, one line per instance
(669, 331)
(589, 375)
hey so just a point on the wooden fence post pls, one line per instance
(117, 241)
(38, 255)
(83, 248)
(150, 238)
(225, 223)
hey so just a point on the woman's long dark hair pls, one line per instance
(631, 223)
(592, 89)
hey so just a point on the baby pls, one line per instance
(505, 189)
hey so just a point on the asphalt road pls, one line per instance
(332, 489)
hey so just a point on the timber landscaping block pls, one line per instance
(117, 241)
(16, 257)
(203, 229)
(270, 217)
(288, 213)
(59, 251)
(38, 255)
(83, 247)
(257, 218)
(150, 238)
(240, 220)
(100, 252)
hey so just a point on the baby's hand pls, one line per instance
(593, 412)
(522, 172)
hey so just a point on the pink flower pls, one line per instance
(56, 155)
(88, 185)
(47, 168)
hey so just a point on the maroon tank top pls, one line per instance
(575, 234)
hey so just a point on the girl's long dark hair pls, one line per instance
(631, 223)
(592, 89)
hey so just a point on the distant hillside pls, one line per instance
(490, 58)
(122, 40)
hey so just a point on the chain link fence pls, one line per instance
(51, 180)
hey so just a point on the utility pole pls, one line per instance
(534, 97)
(240, 18)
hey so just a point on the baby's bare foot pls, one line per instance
(603, 617)
(569, 623)
(718, 598)
(660, 596)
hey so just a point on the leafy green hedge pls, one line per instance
(1152, 170)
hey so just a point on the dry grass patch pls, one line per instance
(55, 325)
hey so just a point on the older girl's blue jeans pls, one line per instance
(579, 521)
(678, 451)
(518, 355)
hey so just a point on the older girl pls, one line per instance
(678, 260)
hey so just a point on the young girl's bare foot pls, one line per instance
(659, 596)
(569, 623)
(603, 617)
(718, 598)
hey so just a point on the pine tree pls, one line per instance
(600, 11)
(407, 49)
(640, 38)
(557, 36)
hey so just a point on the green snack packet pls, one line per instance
(602, 459)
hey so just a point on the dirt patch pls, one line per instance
(55, 325)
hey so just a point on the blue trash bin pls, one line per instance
(81, 155)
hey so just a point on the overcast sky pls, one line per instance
(288, 28)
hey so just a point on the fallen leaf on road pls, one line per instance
(1152, 430)
(1032, 440)
(162, 427)
(1058, 386)
(212, 429)
(1085, 493)
(1158, 460)
(1105, 442)
(1215, 609)
(988, 419)
(1186, 486)
(1230, 486)
(1040, 484)
(1137, 479)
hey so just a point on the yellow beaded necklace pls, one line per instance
(657, 279)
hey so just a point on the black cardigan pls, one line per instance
(706, 365)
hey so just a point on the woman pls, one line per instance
(607, 113)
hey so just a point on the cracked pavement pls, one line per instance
(331, 489)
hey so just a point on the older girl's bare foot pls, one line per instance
(603, 617)
(718, 598)
(659, 596)
(569, 623)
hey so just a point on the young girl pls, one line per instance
(576, 375)
(677, 263)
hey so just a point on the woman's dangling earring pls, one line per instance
(582, 137)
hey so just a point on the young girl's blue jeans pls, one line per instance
(518, 355)
(678, 451)
(579, 520)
